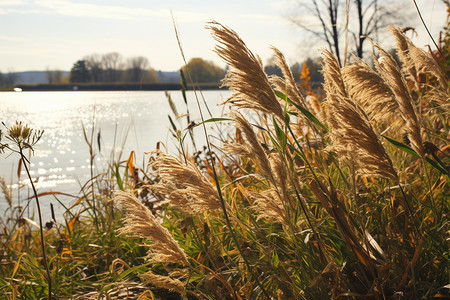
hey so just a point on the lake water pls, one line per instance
(61, 161)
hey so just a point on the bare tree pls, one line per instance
(112, 65)
(94, 63)
(54, 76)
(325, 13)
(329, 20)
(137, 68)
(8, 79)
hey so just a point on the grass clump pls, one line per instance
(346, 202)
(339, 194)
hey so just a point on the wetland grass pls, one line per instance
(343, 197)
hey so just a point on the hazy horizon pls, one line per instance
(54, 34)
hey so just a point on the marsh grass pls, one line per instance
(333, 207)
(322, 195)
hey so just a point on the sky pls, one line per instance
(54, 34)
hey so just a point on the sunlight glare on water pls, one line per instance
(125, 121)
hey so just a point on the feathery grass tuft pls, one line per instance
(140, 222)
(352, 135)
(246, 70)
(390, 72)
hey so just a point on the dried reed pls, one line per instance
(352, 135)
(140, 222)
(246, 76)
(185, 186)
(288, 82)
(334, 84)
(7, 192)
(402, 45)
(252, 146)
(369, 90)
(390, 72)
(166, 282)
(417, 60)
(269, 206)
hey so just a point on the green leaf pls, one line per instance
(174, 127)
(259, 127)
(303, 110)
(437, 166)
(137, 269)
(281, 136)
(298, 153)
(183, 85)
(275, 258)
(213, 120)
(274, 142)
(412, 152)
(118, 179)
(402, 146)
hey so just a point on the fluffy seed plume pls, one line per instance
(390, 72)
(184, 185)
(252, 146)
(280, 176)
(269, 206)
(246, 76)
(334, 85)
(140, 222)
(166, 282)
(403, 45)
(369, 90)
(352, 135)
(6, 191)
(415, 59)
(288, 82)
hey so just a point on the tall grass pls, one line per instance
(347, 202)
(337, 193)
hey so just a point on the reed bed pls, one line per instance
(344, 196)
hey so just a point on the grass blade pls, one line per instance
(303, 110)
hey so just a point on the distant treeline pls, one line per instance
(113, 68)
(112, 72)
(157, 86)
(7, 79)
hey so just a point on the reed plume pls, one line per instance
(390, 72)
(185, 186)
(352, 135)
(251, 146)
(288, 82)
(334, 84)
(403, 45)
(416, 60)
(246, 77)
(166, 282)
(269, 206)
(7, 192)
(368, 89)
(442, 98)
(313, 104)
(140, 222)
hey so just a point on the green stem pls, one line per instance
(408, 207)
(49, 279)
(306, 159)
(426, 28)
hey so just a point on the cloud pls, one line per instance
(75, 9)
(14, 3)
(10, 38)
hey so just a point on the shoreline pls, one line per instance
(163, 86)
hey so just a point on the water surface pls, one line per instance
(126, 121)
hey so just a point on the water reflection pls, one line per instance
(125, 121)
